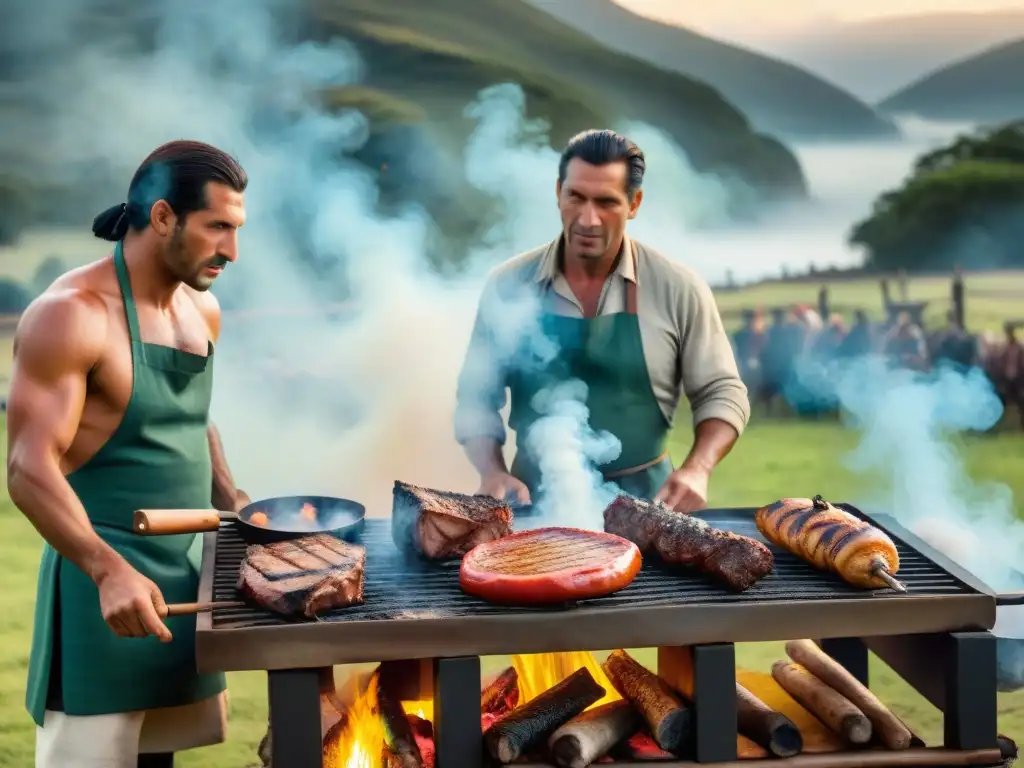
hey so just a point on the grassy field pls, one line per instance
(773, 459)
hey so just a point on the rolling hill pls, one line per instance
(779, 97)
(875, 58)
(437, 56)
(424, 62)
(986, 88)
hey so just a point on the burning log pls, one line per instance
(670, 720)
(592, 735)
(398, 733)
(502, 694)
(423, 732)
(830, 707)
(891, 730)
(528, 726)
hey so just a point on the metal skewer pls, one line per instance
(879, 569)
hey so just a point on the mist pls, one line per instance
(346, 402)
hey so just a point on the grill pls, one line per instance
(415, 610)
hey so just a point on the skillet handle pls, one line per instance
(1010, 598)
(157, 522)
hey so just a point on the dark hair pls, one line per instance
(601, 148)
(177, 172)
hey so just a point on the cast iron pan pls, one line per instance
(282, 518)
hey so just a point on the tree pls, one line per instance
(964, 204)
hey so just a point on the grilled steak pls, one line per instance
(304, 576)
(681, 539)
(549, 565)
(441, 525)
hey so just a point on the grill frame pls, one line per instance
(267, 642)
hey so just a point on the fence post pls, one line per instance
(823, 308)
(958, 297)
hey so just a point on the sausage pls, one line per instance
(831, 539)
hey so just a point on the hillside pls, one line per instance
(983, 88)
(424, 63)
(437, 55)
(874, 58)
(778, 97)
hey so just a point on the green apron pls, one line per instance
(157, 458)
(606, 353)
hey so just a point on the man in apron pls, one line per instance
(638, 329)
(108, 413)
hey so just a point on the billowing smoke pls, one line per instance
(340, 402)
(568, 452)
(910, 424)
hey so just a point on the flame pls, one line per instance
(362, 740)
(540, 671)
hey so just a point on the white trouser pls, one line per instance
(117, 740)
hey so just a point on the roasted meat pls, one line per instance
(680, 539)
(830, 539)
(549, 565)
(441, 525)
(304, 576)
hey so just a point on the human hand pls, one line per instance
(501, 484)
(132, 605)
(685, 490)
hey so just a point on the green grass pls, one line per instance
(773, 459)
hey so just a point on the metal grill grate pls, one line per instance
(399, 588)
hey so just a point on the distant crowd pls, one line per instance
(773, 356)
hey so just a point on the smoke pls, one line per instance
(340, 402)
(572, 491)
(910, 425)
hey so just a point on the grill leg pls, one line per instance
(294, 699)
(711, 669)
(850, 652)
(957, 673)
(458, 740)
(714, 702)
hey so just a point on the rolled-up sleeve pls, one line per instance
(707, 363)
(480, 394)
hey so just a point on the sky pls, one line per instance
(769, 16)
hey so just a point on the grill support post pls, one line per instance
(850, 653)
(294, 701)
(956, 672)
(458, 737)
(713, 670)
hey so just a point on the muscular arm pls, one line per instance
(226, 497)
(59, 339)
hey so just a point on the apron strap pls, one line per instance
(130, 312)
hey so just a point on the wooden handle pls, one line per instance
(157, 522)
(834, 710)
(186, 609)
(893, 733)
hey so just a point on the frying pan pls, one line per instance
(341, 518)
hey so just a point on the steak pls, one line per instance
(441, 525)
(304, 576)
(679, 539)
(549, 565)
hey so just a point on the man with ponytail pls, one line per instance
(108, 413)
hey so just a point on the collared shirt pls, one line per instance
(685, 345)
